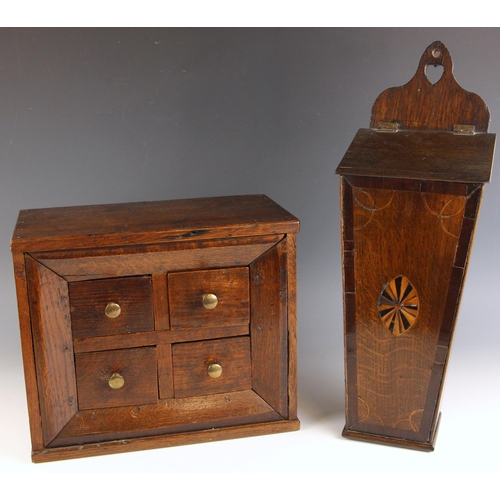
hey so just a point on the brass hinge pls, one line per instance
(464, 129)
(387, 127)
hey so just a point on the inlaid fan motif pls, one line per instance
(398, 305)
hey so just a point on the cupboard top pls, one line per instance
(149, 222)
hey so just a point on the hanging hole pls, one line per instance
(436, 53)
(434, 73)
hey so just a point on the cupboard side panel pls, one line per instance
(268, 327)
(28, 352)
(53, 348)
(292, 324)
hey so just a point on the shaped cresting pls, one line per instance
(411, 187)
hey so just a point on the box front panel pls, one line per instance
(160, 353)
(400, 257)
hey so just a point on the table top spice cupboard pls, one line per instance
(153, 324)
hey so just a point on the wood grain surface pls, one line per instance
(156, 261)
(151, 222)
(23, 307)
(394, 370)
(268, 327)
(53, 348)
(186, 291)
(192, 359)
(169, 416)
(137, 367)
(88, 301)
(425, 155)
(410, 200)
(208, 435)
(423, 105)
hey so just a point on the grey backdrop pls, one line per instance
(116, 115)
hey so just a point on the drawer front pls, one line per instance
(117, 378)
(211, 367)
(111, 306)
(217, 297)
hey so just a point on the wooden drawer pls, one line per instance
(211, 367)
(117, 378)
(190, 292)
(93, 313)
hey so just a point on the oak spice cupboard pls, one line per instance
(155, 324)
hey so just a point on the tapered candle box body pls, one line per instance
(411, 187)
(156, 324)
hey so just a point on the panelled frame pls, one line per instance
(268, 406)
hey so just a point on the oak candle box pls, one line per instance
(155, 324)
(411, 188)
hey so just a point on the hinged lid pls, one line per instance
(438, 131)
(417, 154)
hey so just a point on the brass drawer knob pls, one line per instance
(116, 381)
(209, 301)
(214, 370)
(112, 310)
